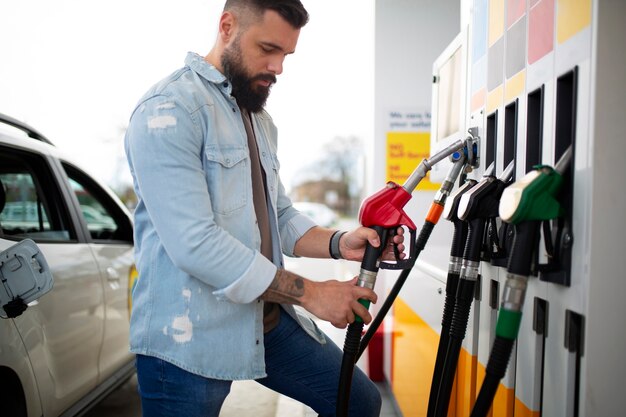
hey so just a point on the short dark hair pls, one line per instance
(291, 10)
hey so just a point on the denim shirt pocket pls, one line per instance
(227, 173)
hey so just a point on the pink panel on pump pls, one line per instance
(540, 30)
(514, 10)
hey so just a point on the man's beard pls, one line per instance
(247, 95)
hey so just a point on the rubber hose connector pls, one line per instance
(448, 306)
(353, 338)
(460, 317)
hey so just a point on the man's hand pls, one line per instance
(338, 302)
(333, 301)
(352, 244)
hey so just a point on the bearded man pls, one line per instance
(213, 302)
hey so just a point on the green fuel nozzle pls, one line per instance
(528, 202)
(525, 204)
(533, 197)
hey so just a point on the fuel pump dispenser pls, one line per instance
(525, 204)
(384, 213)
(476, 207)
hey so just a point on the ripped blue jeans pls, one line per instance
(297, 366)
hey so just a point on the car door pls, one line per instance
(110, 239)
(62, 332)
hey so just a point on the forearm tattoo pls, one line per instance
(286, 288)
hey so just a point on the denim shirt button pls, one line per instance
(257, 341)
(225, 85)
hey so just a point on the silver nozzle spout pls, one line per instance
(564, 161)
(416, 176)
(448, 184)
(456, 169)
(507, 174)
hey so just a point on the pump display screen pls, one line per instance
(449, 96)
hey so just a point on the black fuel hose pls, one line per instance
(496, 368)
(524, 243)
(350, 352)
(420, 242)
(460, 317)
(452, 283)
(369, 270)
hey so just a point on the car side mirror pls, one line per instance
(24, 277)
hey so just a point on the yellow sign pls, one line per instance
(405, 151)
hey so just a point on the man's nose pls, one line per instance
(275, 66)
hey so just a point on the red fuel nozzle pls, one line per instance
(385, 208)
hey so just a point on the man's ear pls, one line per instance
(227, 26)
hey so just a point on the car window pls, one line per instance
(105, 220)
(31, 204)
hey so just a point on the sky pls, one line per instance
(74, 70)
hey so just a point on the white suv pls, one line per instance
(68, 349)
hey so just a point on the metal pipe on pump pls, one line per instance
(384, 213)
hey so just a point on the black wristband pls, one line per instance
(333, 245)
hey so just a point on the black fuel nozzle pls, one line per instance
(476, 206)
(479, 205)
(460, 226)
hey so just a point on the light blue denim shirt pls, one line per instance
(197, 243)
